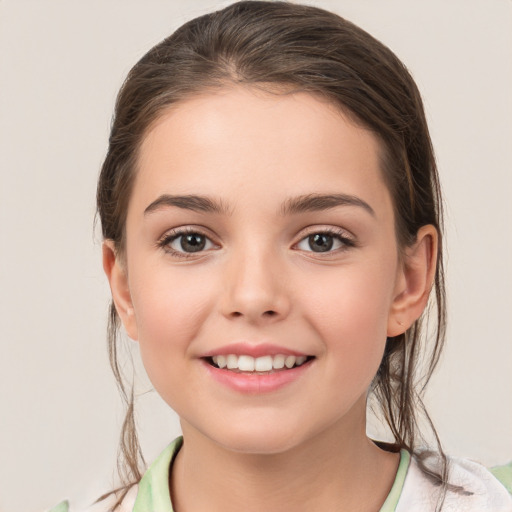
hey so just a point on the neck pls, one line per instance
(331, 471)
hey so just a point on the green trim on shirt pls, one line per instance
(504, 475)
(63, 506)
(153, 493)
(394, 495)
(153, 489)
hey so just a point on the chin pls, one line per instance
(257, 439)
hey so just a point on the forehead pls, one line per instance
(229, 140)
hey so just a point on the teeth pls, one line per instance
(246, 363)
(263, 364)
(232, 361)
(300, 360)
(278, 362)
(258, 364)
(290, 361)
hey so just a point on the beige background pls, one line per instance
(61, 63)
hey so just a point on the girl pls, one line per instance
(272, 228)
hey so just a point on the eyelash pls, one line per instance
(336, 233)
(168, 238)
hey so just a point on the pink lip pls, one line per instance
(255, 383)
(256, 350)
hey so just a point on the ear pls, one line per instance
(115, 269)
(414, 281)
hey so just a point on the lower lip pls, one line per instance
(254, 383)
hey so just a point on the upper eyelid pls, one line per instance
(332, 230)
(326, 229)
(184, 230)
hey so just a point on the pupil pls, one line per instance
(193, 243)
(321, 242)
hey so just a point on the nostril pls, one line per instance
(266, 314)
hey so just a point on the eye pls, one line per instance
(325, 241)
(185, 242)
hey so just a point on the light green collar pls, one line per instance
(394, 495)
(153, 493)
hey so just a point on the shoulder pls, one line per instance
(151, 493)
(479, 490)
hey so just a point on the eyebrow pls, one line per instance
(189, 202)
(294, 205)
(319, 202)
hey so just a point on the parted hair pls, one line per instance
(285, 48)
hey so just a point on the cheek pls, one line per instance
(169, 310)
(358, 300)
(351, 314)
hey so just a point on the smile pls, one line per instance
(265, 364)
(255, 375)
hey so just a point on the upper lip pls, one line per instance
(253, 350)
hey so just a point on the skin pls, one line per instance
(304, 446)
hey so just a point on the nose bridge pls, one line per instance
(255, 284)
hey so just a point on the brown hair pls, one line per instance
(306, 49)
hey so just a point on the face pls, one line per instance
(260, 235)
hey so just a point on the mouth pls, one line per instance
(263, 365)
(262, 372)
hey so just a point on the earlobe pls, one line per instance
(115, 269)
(414, 281)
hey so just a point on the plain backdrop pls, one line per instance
(61, 64)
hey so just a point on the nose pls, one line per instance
(255, 288)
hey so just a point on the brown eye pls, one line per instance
(192, 242)
(326, 241)
(320, 242)
(186, 242)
